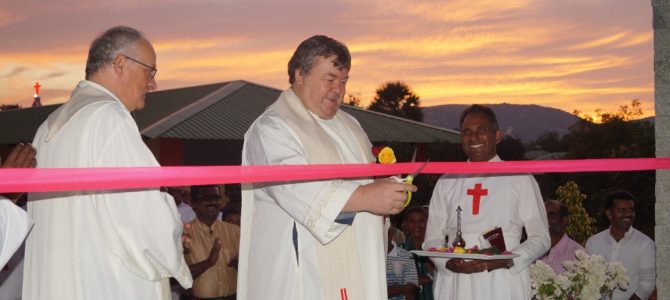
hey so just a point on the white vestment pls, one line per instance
(14, 225)
(292, 246)
(122, 244)
(511, 202)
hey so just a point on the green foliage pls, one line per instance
(580, 225)
(618, 135)
(398, 99)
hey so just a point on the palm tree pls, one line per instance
(398, 99)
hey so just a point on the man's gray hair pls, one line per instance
(105, 48)
(313, 47)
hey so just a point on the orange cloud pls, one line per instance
(459, 51)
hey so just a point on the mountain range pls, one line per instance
(525, 122)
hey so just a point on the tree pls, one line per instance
(618, 135)
(398, 99)
(550, 141)
(580, 225)
(352, 100)
(9, 106)
(510, 148)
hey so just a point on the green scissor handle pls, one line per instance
(408, 180)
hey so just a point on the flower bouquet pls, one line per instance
(588, 277)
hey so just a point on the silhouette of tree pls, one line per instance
(352, 100)
(398, 99)
(618, 135)
(550, 141)
(510, 148)
(9, 106)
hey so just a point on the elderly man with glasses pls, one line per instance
(103, 244)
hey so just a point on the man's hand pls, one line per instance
(381, 197)
(22, 156)
(186, 239)
(198, 268)
(233, 262)
(458, 265)
(214, 253)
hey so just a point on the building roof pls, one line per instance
(20, 125)
(222, 111)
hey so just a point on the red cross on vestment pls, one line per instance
(477, 194)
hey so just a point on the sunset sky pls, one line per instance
(567, 54)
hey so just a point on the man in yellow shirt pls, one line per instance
(213, 248)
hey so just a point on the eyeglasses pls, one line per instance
(152, 70)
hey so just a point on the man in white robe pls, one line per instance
(319, 239)
(103, 244)
(510, 202)
(14, 222)
(14, 226)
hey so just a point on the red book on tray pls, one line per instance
(495, 238)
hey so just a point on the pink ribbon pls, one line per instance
(69, 179)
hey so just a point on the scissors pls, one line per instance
(410, 178)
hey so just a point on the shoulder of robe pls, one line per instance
(346, 115)
(270, 119)
(271, 125)
(106, 110)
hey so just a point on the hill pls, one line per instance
(526, 122)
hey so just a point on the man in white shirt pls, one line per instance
(621, 242)
(511, 202)
(183, 202)
(318, 239)
(103, 244)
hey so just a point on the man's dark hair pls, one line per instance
(411, 210)
(105, 47)
(617, 195)
(230, 211)
(313, 47)
(195, 191)
(480, 109)
(563, 210)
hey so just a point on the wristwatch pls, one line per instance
(509, 265)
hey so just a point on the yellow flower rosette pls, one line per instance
(386, 156)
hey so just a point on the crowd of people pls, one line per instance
(327, 239)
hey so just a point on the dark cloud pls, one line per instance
(53, 75)
(15, 72)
